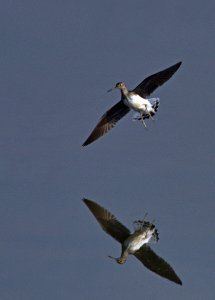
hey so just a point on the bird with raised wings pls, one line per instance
(133, 243)
(136, 100)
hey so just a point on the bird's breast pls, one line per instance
(136, 102)
(135, 242)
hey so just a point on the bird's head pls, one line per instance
(119, 85)
(119, 260)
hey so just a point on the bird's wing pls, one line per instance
(108, 121)
(149, 84)
(156, 264)
(108, 221)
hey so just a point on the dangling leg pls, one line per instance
(150, 114)
(143, 221)
(141, 115)
(145, 216)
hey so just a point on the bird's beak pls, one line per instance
(114, 258)
(111, 90)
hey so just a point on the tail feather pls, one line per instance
(155, 103)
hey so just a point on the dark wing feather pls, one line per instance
(108, 221)
(108, 121)
(148, 85)
(156, 264)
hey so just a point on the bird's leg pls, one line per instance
(141, 115)
(145, 216)
(149, 114)
(143, 221)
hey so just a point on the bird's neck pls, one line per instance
(124, 255)
(124, 91)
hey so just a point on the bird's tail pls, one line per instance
(155, 103)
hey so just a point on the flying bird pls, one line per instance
(133, 243)
(135, 100)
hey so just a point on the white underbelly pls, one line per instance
(137, 103)
(134, 245)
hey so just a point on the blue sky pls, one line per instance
(57, 60)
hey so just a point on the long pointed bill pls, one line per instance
(111, 90)
(115, 258)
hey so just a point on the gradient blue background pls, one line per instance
(57, 60)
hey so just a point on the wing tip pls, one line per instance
(92, 138)
(86, 201)
(91, 204)
(177, 65)
(178, 281)
(174, 278)
(88, 141)
(85, 144)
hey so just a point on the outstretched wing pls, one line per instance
(156, 264)
(108, 121)
(108, 221)
(148, 85)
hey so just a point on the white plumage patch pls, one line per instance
(137, 103)
(148, 111)
(134, 244)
